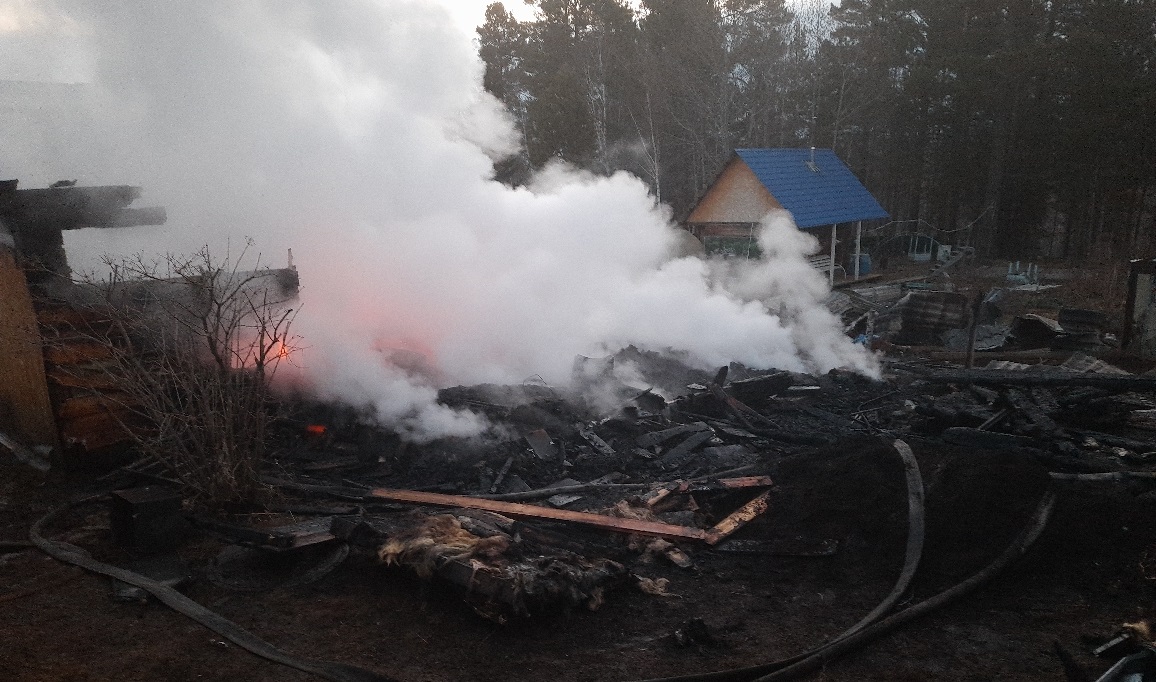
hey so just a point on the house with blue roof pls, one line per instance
(814, 185)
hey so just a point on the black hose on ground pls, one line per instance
(794, 667)
(71, 554)
(218, 575)
(1036, 525)
(915, 536)
(916, 525)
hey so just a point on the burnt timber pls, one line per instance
(37, 218)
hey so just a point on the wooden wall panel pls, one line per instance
(25, 407)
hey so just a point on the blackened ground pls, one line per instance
(1082, 579)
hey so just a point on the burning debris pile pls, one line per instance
(678, 469)
(568, 504)
(644, 475)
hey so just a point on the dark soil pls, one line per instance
(1076, 586)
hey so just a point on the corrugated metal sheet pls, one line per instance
(824, 193)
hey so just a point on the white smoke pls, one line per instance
(357, 133)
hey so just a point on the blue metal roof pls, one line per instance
(824, 194)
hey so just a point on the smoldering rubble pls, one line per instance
(567, 505)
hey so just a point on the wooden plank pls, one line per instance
(76, 352)
(739, 518)
(81, 406)
(746, 482)
(95, 431)
(83, 377)
(735, 406)
(25, 406)
(652, 438)
(68, 316)
(662, 530)
(735, 483)
(678, 454)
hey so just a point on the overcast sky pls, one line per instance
(40, 41)
(471, 13)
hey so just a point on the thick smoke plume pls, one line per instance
(357, 134)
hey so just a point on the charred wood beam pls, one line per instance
(736, 407)
(70, 208)
(1052, 378)
(281, 538)
(501, 475)
(678, 454)
(649, 440)
(1105, 476)
(747, 416)
(1114, 441)
(1032, 356)
(835, 420)
(37, 217)
(564, 490)
(1041, 424)
(981, 438)
(135, 217)
(993, 420)
(739, 518)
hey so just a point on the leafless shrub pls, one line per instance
(195, 343)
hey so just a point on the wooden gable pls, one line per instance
(737, 196)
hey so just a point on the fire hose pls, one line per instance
(870, 628)
(71, 554)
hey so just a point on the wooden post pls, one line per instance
(858, 245)
(831, 267)
(976, 306)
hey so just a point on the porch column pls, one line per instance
(858, 245)
(831, 271)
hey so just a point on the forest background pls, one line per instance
(1024, 128)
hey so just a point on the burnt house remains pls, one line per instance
(51, 396)
(727, 524)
